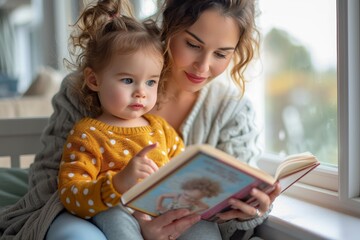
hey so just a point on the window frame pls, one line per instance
(339, 189)
(348, 99)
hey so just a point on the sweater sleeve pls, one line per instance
(67, 111)
(239, 133)
(227, 122)
(83, 190)
(32, 215)
(238, 137)
(228, 228)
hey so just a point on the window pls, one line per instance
(298, 73)
(145, 8)
(309, 78)
(34, 53)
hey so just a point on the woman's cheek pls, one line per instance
(183, 58)
(220, 67)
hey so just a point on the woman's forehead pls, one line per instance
(214, 28)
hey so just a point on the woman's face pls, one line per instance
(203, 51)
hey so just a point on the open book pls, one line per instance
(203, 178)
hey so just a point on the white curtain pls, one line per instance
(6, 46)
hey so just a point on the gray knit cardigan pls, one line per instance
(219, 118)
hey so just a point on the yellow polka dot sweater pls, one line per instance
(95, 151)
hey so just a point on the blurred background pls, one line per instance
(293, 83)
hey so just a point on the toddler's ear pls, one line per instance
(91, 79)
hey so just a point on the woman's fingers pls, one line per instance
(170, 216)
(244, 211)
(141, 216)
(240, 210)
(262, 198)
(178, 227)
(274, 194)
(172, 223)
(178, 222)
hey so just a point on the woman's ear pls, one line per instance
(91, 79)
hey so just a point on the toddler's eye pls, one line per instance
(127, 80)
(151, 83)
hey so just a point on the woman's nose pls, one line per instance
(202, 63)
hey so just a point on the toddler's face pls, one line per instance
(127, 87)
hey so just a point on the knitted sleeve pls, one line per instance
(228, 229)
(227, 122)
(67, 111)
(239, 134)
(31, 216)
(238, 138)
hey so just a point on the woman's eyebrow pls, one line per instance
(194, 36)
(201, 41)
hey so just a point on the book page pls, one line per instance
(295, 163)
(289, 180)
(224, 181)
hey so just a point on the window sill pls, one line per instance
(319, 187)
(295, 219)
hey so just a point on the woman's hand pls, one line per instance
(170, 225)
(139, 167)
(243, 211)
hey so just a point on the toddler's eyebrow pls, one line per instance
(201, 41)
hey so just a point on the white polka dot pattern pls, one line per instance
(86, 191)
(86, 160)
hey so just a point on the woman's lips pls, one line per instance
(195, 79)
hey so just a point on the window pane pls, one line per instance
(298, 65)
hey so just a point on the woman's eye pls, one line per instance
(191, 45)
(220, 55)
(151, 83)
(127, 80)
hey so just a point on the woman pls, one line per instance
(202, 37)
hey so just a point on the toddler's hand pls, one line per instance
(137, 169)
